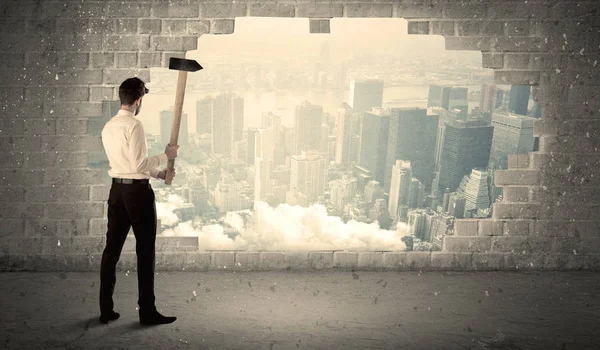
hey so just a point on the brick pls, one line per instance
(490, 227)
(418, 27)
(73, 176)
(521, 44)
(173, 26)
(169, 43)
(517, 211)
(20, 143)
(72, 227)
(418, 260)
(320, 260)
(445, 28)
(99, 193)
(73, 60)
(42, 227)
(247, 260)
(29, 110)
(175, 9)
(222, 260)
(345, 259)
(39, 127)
(318, 10)
(419, 10)
(12, 160)
(520, 244)
(467, 43)
(116, 76)
(517, 177)
(488, 261)
(150, 59)
(517, 77)
(492, 28)
(71, 25)
(368, 10)
(272, 260)
(149, 26)
(197, 261)
(126, 26)
(126, 42)
(21, 177)
(66, 93)
(469, 28)
(516, 9)
(77, 77)
(12, 194)
(370, 260)
(72, 109)
(451, 261)
(71, 143)
(466, 244)
(515, 194)
(126, 59)
(80, 210)
(197, 27)
(12, 227)
(394, 259)
(21, 210)
(516, 60)
(102, 60)
(517, 28)
(70, 245)
(166, 56)
(71, 126)
(319, 26)
(101, 26)
(270, 9)
(101, 93)
(57, 193)
(98, 226)
(222, 26)
(224, 10)
(12, 60)
(463, 10)
(128, 9)
(23, 246)
(76, 42)
(56, 159)
(518, 161)
(465, 227)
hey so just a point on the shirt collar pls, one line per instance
(124, 112)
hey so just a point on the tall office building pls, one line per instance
(475, 189)
(513, 134)
(416, 194)
(380, 213)
(229, 195)
(308, 173)
(400, 186)
(456, 205)
(270, 120)
(519, 99)
(344, 135)
(448, 97)
(308, 121)
(324, 140)
(204, 115)
(251, 145)
(412, 137)
(488, 97)
(342, 191)
(227, 123)
(263, 163)
(365, 94)
(416, 223)
(372, 192)
(166, 123)
(374, 142)
(466, 146)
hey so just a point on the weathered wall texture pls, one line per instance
(61, 59)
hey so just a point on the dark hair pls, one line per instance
(132, 89)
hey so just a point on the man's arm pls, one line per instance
(139, 152)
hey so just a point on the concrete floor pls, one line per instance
(308, 310)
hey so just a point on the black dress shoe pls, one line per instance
(154, 317)
(109, 317)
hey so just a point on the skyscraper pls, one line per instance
(488, 97)
(263, 163)
(416, 194)
(308, 121)
(466, 146)
(448, 97)
(365, 94)
(475, 189)
(227, 123)
(229, 195)
(519, 99)
(251, 145)
(344, 135)
(400, 186)
(412, 137)
(342, 191)
(308, 173)
(204, 115)
(166, 123)
(513, 134)
(456, 205)
(374, 142)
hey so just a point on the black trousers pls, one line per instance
(130, 205)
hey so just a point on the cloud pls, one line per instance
(286, 228)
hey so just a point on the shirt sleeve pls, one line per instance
(138, 150)
(154, 173)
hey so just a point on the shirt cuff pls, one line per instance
(154, 173)
(163, 158)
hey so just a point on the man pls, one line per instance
(131, 202)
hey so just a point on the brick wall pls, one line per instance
(62, 61)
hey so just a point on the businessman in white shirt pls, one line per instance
(131, 202)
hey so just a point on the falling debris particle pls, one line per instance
(249, 284)
(487, 294)
(194, 292)
(435, 293)
(574, 252)
(127, 273)
(58, 243)
(56, 77)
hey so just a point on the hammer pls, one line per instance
(183, 66)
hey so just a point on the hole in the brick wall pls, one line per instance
(272, 90)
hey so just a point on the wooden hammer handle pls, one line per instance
(181, 80)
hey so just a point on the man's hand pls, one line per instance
(167, 173)
(171, 151)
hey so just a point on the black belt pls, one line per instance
(130, 181)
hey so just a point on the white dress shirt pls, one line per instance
(125, 145)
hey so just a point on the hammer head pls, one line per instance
(184, 65)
